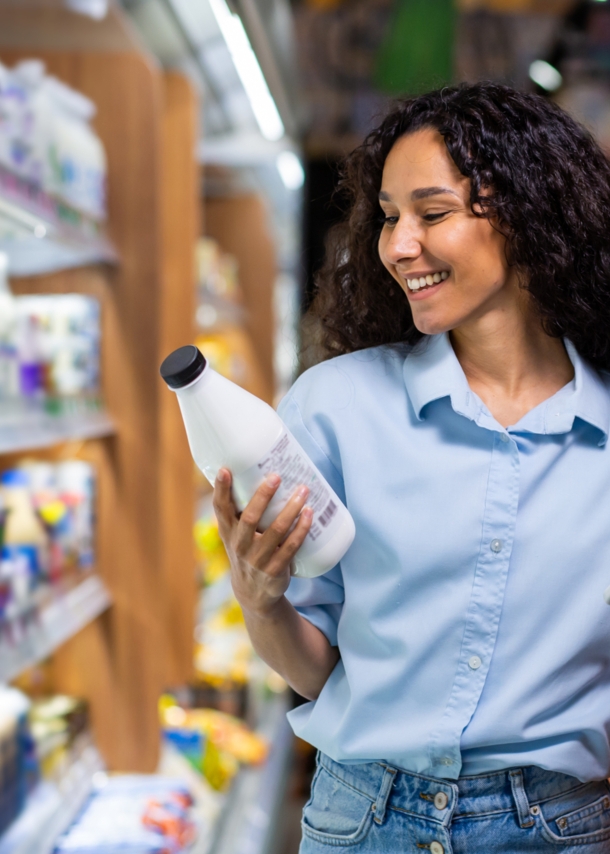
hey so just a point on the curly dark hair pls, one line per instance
(548, 184)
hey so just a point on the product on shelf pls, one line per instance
(225, 662)
(215, 743)
(56, 723)
(221, 319)
(46, 139)
(212, 558)
(46, 530)
(18, 766)
(223, 652)
(216, 275)
(227, 426)
(133, 814)
(50, 354)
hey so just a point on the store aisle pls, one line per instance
(297, 794)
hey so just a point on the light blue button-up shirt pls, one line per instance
(469, 611)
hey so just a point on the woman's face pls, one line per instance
(450, 263)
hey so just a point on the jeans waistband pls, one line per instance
(443, 800)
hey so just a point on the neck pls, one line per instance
(509, 360)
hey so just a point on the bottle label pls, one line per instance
(287, 459)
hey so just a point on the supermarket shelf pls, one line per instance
(29, 431)
(42, 235)
(52, 807)
(248, 819)
(56, 623)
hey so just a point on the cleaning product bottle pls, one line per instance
(228, 427)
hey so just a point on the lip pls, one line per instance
(412, 296)
(426, 292)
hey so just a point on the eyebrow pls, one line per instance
(421, 193)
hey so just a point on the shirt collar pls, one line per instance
(432, 371)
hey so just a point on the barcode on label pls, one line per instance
(328, 514)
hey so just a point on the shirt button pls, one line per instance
(504, 437)
(440, 800)
(445, 760)
(474, 662)
(496, 546)
(436, 848)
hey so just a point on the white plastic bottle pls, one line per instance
(228, 427)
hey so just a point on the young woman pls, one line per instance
(458, 659)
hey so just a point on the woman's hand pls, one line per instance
(260, 563)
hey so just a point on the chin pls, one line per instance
(430, 326)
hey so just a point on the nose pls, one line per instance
(404, 242)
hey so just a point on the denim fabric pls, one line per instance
(373, 808)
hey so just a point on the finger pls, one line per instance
(224, 505)
(253, 511)
(279, 529)
(283, 556)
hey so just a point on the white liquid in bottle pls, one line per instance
(228, 427)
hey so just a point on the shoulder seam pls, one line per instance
(292, 402)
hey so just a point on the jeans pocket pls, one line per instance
(336, 813)
(579, 819)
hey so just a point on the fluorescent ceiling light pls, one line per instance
(97, 9)
(249, 71)
(545, 75)
(290, 169)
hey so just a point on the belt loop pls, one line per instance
(520, 798)
(379, 807)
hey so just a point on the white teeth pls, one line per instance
(423, 281)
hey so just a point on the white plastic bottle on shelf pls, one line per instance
(9, 362)
(76, 487)
(228, 427)
(79, 153)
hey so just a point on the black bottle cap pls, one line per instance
(182, 366)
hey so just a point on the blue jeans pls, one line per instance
(375, 809)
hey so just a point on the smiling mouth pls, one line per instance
(426, 281)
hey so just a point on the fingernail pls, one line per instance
(303, 491)
(273, 479)
(222, 475)
(307, 512)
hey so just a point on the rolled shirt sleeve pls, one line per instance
(319, 600)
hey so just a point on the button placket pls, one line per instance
(485, 605)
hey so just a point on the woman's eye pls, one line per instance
(434, 217)
(389, 220)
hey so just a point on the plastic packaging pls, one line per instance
(228, 427)
(75, 484)
(18, 767)
(78, 156)
(47, 141)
